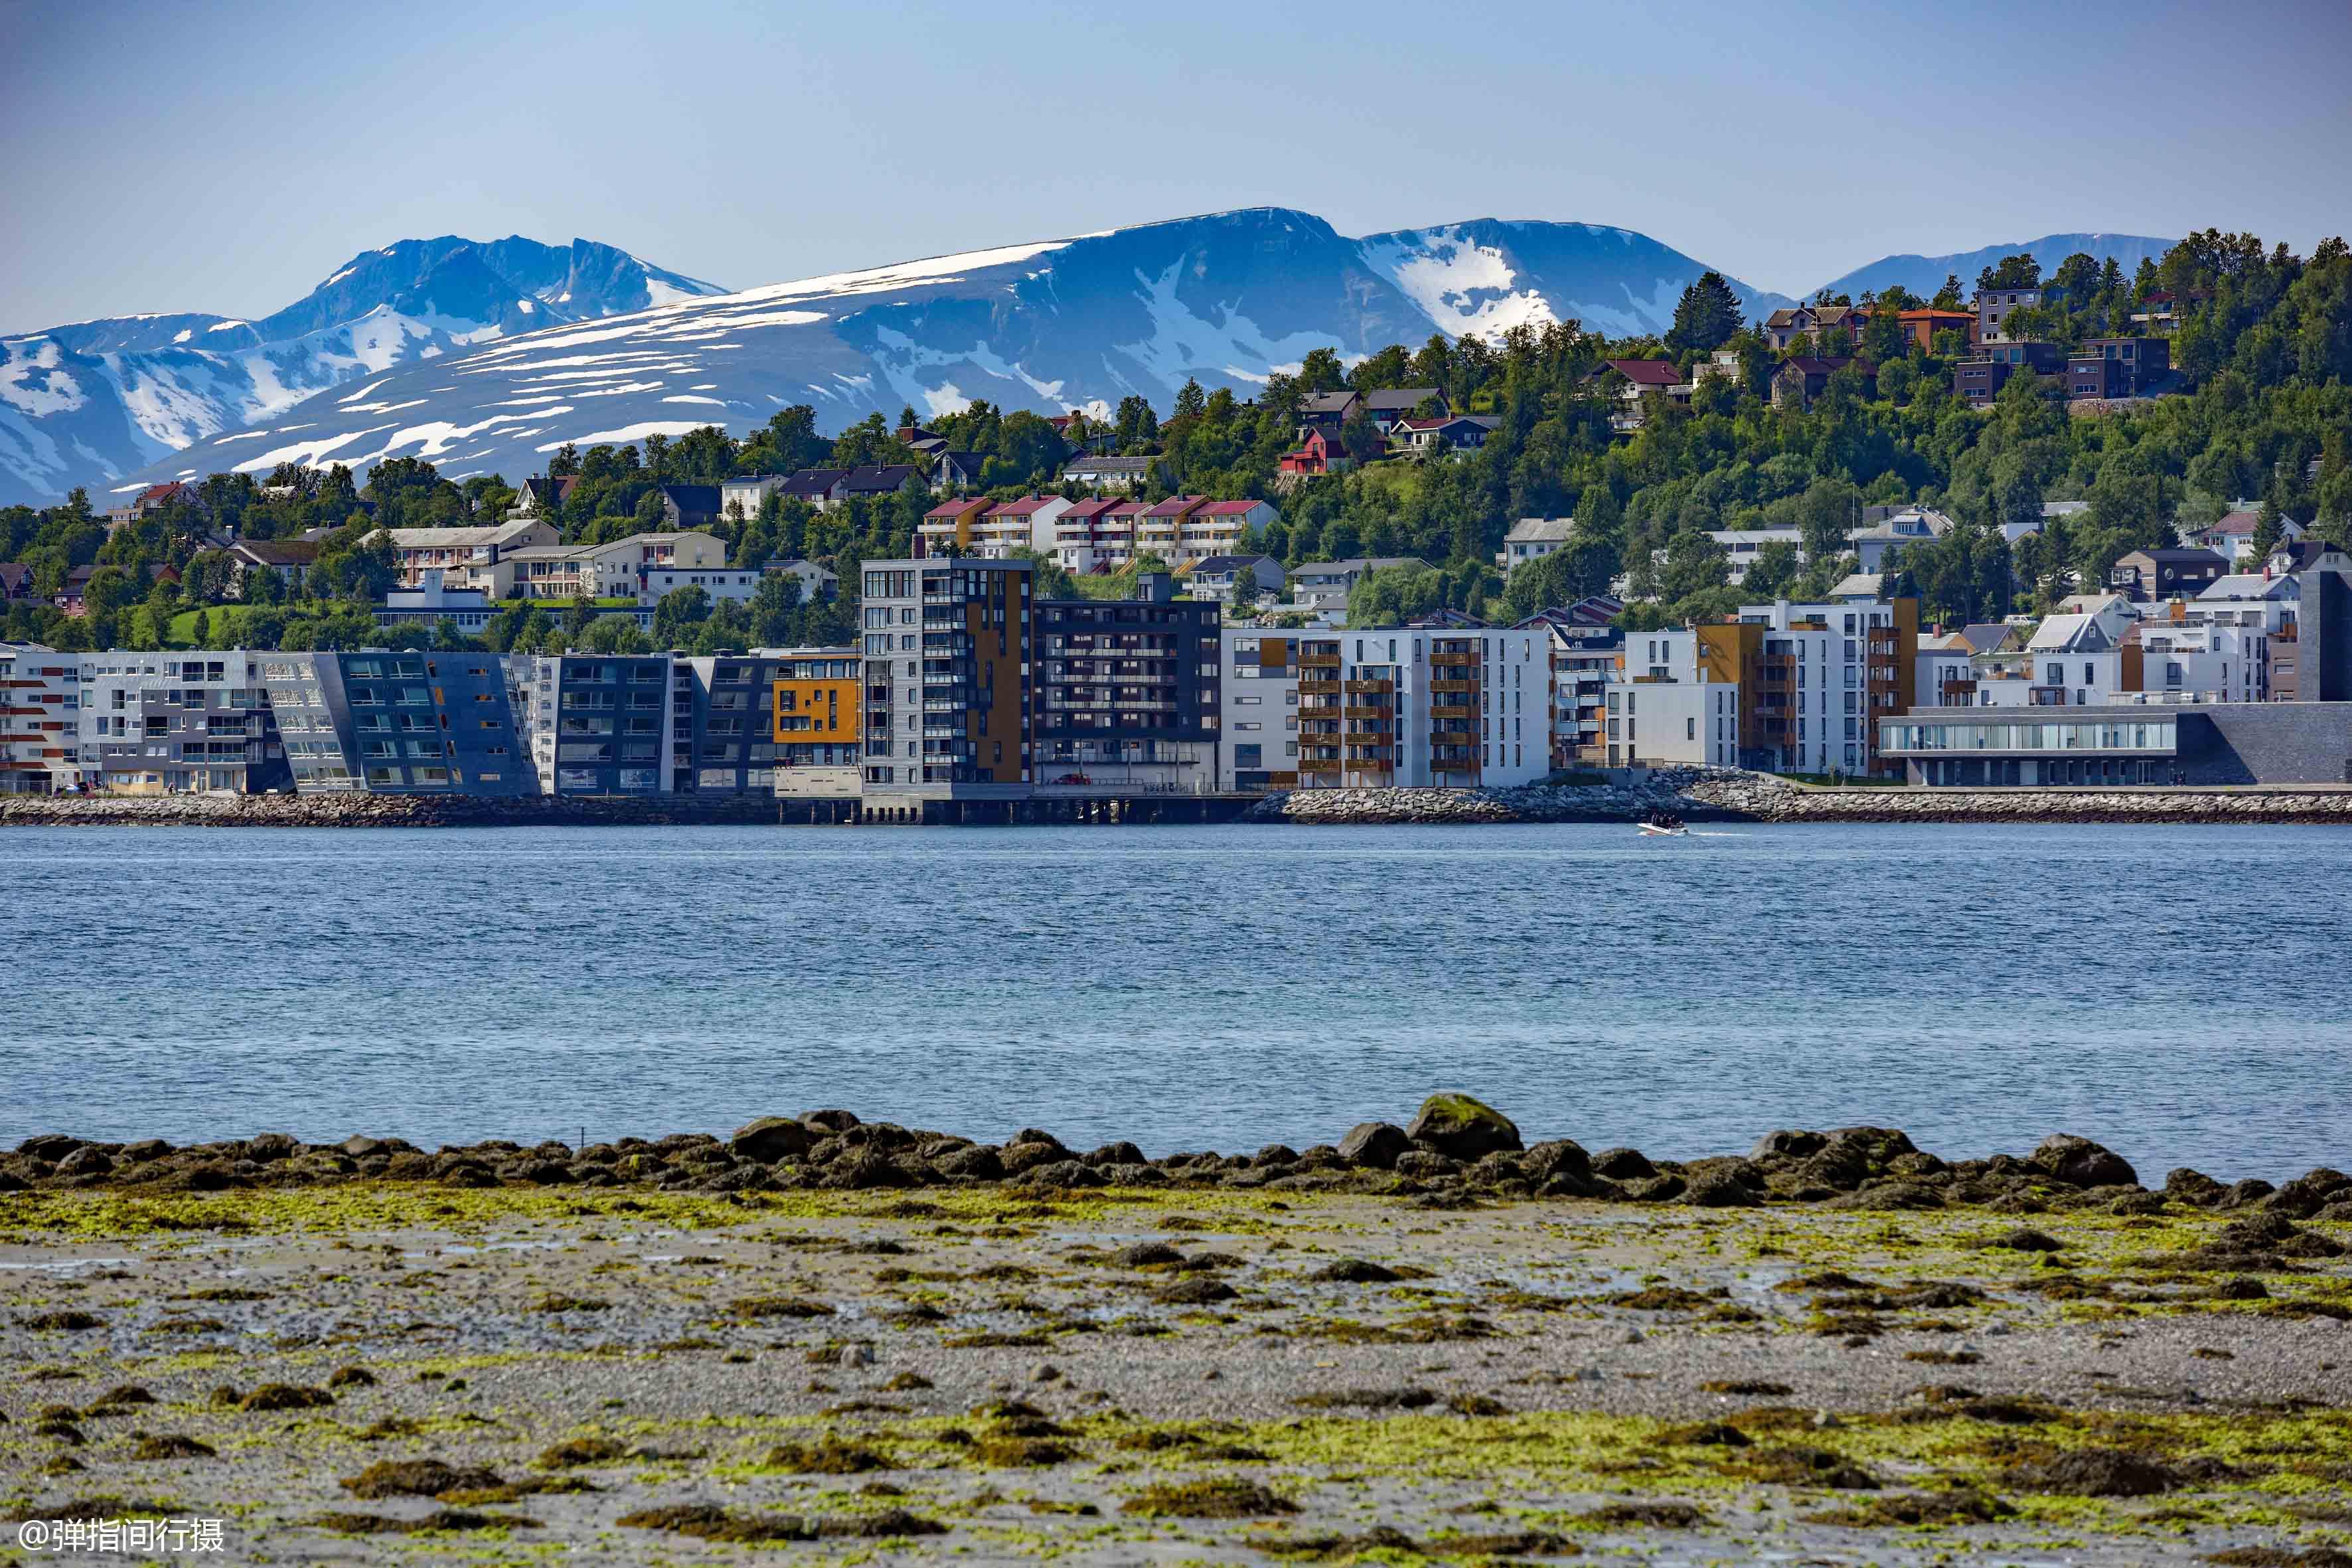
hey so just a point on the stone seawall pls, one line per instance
(377, 811)
(1717, 795)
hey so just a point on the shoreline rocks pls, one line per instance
(361, 810)
(1720, 795)
(1457, 1149)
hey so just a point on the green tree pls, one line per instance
(1949, 298)
(679, 613)
(1706, 316)
(2018, 271)
(614, 634)
(1245, 587)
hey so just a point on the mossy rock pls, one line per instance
(1461, 1128)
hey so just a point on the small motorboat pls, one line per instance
(1665, 827)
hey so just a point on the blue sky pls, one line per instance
(168, 156)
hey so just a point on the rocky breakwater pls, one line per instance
(1762, 798)
(361, 810)
(1455, 1150)
(1678, 792)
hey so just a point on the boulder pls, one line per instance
(831, 1121)
(1461, 1128)
(1557, 1157)
(770, 1139)
(1119, 1154)
(48, 1146)
(1718, 1189)
(2185, 1185)
(2079, 1163)
(1623, 1165)
(1023, 1155)
(2244, 1194)
(1787, 1144)
(271, 1146)
(1374, 1143)
(975, 1162)
(359, 1147)
(2301, 1197)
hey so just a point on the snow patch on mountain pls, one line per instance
(1465, 287)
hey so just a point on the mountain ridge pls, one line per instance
(456, 357)
(88, 402)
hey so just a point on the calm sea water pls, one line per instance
(2174, 993)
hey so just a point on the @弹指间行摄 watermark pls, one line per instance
(142, 1535)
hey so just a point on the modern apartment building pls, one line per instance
(1257, 729)
(1127, 693)
(1583, 662)
(40, 720)
(164, 723)
(1423, 706)
(947, 673)
(814, 707)
(1806, 685)
(398, 723)
(599, 724)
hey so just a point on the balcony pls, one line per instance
(1451, 711)
(1452, 738)
(1370, 688)
(1319, 660)
(1353, 714)
(1454, 687)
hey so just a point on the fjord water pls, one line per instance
(2175, 993)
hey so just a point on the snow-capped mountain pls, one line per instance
(1923, 274)
(92, 402)
(1227, 298)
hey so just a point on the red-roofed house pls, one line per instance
(146, 502)
(1319, 453)
(1076, 543)
(1114, 533)
(1159, 532)
(1640, 378)
(2232, 538)
(1221, 528)
(948, 528)
(1026, 524)
(1450, 432)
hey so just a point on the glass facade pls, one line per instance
(2149, 735)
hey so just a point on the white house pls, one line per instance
(737, 584)
(1913, 525)
(1532, 539)
(1741, 546)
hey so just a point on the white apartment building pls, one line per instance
(1257, 724)
(467, 557)
(1654, 721)
(735, 583)
(40, 720)
(615, 571)
(1410, 706)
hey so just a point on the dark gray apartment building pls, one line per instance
(599, 723)
(1127, 686)
(398, 723)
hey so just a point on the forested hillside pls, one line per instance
(2264, 343)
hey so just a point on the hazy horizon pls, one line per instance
(167, 158)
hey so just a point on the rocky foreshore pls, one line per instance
(361, 810)
(1433, 1342)
(1455, 1148)
(1719, 795)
